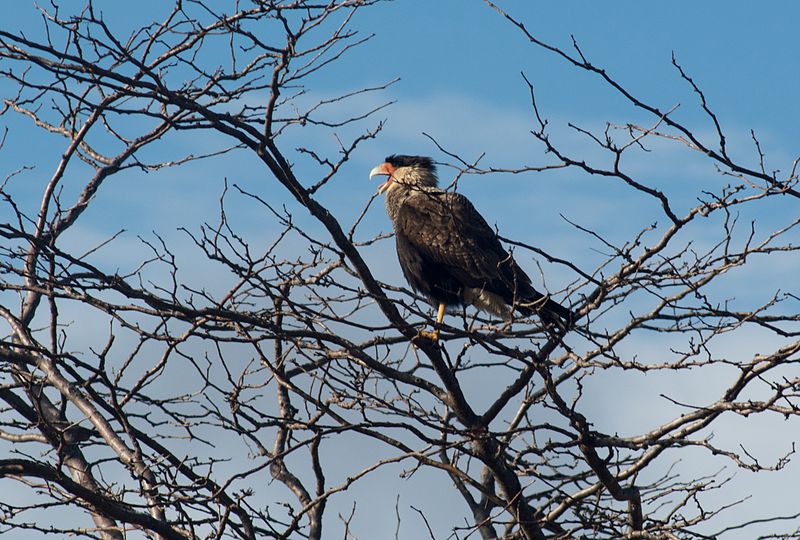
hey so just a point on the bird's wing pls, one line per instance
(446, 228)
(448, 231)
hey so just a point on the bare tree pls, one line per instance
(212, 389)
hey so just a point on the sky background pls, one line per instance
(459, 65)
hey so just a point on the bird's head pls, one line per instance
(406, 170)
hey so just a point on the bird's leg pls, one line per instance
(434, 336)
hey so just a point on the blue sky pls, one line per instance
(459, 63)
(744, 56)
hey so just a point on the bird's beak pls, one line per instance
(384, 169)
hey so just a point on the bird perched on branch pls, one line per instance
(450, 254)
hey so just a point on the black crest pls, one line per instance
(411, 161)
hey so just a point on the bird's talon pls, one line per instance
(431, 336)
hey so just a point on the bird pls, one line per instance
(449, 253)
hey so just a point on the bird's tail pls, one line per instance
(551, 312)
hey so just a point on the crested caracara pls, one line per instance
(449, 253)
